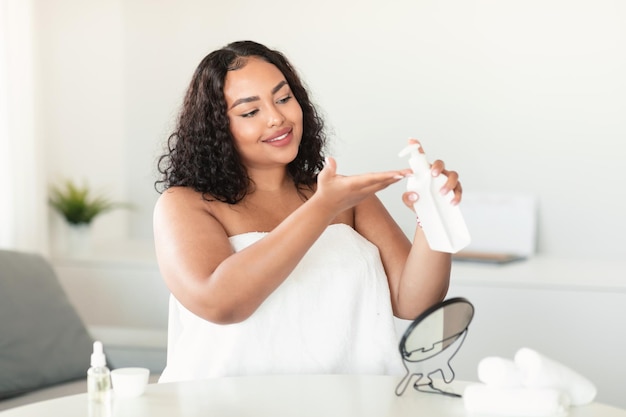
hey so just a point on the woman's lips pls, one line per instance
(282, 139)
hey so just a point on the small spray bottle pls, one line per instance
(442, 222)
(98, 377)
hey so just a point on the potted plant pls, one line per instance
(79, 207)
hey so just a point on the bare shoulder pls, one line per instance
(183, 207)
(183, 200)
(185, 230)
(179, 195)
(190, 242)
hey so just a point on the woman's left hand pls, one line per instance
(452, 184)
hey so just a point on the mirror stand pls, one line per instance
(431, 341)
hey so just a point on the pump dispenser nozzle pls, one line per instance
(417, 160)
(409, 149)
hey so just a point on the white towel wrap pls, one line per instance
(539, 371)
(499, 372)
(483, 399)
(306, 326)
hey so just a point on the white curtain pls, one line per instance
(23, 199)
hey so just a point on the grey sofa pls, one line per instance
(45, 348)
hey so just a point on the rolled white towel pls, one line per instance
(508, 402)
(499, 372)
(539, 371)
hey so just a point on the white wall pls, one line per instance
(515, 95)
(82, 110)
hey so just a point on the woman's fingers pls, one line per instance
(437, 167)
(330, 168)
(361, 182)
(348, 191)
(458, 192)
(452, 182)
(374, 181)
(409, 198)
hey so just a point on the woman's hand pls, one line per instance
(341, 192)
(452, 183)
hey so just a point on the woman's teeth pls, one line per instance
(281, 137)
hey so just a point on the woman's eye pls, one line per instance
(250, 113)
(284, 99)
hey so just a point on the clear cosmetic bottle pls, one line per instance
(99, 383)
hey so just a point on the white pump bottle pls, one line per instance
(442, 222)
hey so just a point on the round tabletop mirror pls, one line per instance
(430, 342)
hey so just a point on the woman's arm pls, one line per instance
(418, 276)
(202, 271)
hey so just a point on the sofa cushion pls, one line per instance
(43, 341)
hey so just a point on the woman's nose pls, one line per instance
(275, 117)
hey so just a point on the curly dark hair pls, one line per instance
(201, 152)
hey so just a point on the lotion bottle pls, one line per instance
(442, 222)
(98, 377)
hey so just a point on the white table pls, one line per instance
(276, 396)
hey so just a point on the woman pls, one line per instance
(275, 263)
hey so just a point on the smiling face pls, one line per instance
(265, 118)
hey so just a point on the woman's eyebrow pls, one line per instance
(255, 98)
(278, 86)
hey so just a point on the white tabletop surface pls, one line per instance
(276, 396)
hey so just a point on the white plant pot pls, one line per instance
(78, 242)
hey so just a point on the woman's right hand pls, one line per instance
(340, 192)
